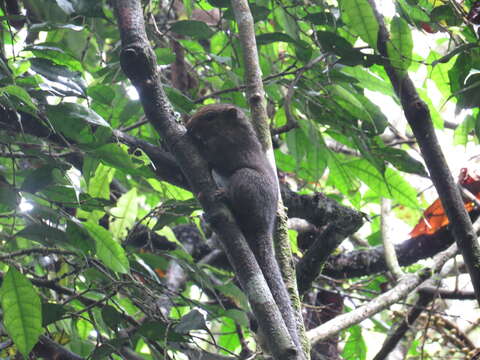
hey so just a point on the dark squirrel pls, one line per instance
(226, 139)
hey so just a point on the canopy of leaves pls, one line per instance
(100, 238)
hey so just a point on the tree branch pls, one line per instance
(418, 117)
(400, 291)
(138, 61)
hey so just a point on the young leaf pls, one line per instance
(22, 310)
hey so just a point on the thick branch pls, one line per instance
(256, 99)
(311, 264)
(400, 291)
(139, 64)
(48, 349)
(393, 339)
(418, 117)
(368, 262)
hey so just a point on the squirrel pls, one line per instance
(226, 139)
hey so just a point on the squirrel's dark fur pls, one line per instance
(227, 140)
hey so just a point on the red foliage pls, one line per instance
(435, 218)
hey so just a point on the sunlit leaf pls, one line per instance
(359, 15)
(401, 44)
(390, 185)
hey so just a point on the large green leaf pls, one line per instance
(22, 310)
(43, 234)
(369, 80)
(21, 94)
(390, 185)
(9, 197)
(358, 14)
(115, 156)
(269, 38)
(401, 160)
(346, 99)
(77, 112)
(400, 46)
(463, 130)
(355, 347)
(415, 12)
(75, 121)
(192, 28)
(108, 250)
(55, 54)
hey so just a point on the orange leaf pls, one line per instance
(435, 218)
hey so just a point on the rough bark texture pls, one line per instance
(139, 64)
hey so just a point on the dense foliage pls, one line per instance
(104, 251)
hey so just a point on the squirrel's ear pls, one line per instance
(232, 113)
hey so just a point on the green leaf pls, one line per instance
(107, 348)
(157, 330)
(21, 94)
(47, 26)
(125, 214)
(192, 28)
(194, 320)
(111, 317)
(22, 310)
(263, 39)
(38, 179)
(219, 3)
(108, 250)
(77, 112)
(446, 13)
(400, 46)
(56, 55)
(390, 185)
(9, 197)
(74, 121)
(239, 316)
(321, 18)
(99, 184)
(359, 16)
(346, 99)
(369, 80)
(103, 94)
(401, 160)
(70, 82)
(165, 56)
(355, 347)
(297, 144)
(115, 156)
(331, 41)
(52, 312)
(469, 95)
(462, 131)
(179, 101)
(340, 177)
(61, 194)
(232, 291)
(259, 13)
(43, 234)
(415, 12)
(172, 209)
